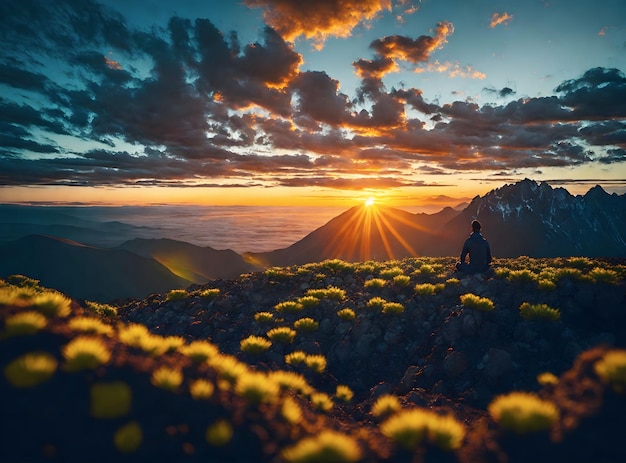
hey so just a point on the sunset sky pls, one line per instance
(286, 102)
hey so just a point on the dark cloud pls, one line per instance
(188, 104)
(404, 48)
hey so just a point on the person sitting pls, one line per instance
(478, 250)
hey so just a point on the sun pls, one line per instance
(369, 201)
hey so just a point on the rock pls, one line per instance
(497, 363)
(408, 379)
(455, 364)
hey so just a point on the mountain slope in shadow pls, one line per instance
(194, 263)
(87, 272)
(362, 233)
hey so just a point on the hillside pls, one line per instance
(194, 263)
(266, 384)
(87, 272)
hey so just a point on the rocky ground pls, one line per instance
(437, 354)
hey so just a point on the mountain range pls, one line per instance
(525, 218)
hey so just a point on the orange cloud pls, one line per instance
(503, 18)
(318, 20)
(112, 64)
(452, 69)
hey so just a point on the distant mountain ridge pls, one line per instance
(87, 272)
(525, 218)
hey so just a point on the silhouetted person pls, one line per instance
(479, 252)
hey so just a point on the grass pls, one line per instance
(254, 345)
(327, 446)
(201, 389)
(128, 437)
(612, 369)
(219, 433)
(344, 393)
(85, 353)
(306, 325)
(530, 311)
(346, 314)
(30, 369)
(523, 412)
(282, 334)
(167, 378)
(410, 428)
(375, 283)
(476, 302)
(24, 323)
(385, 405)
(257, 388)
(110, 399)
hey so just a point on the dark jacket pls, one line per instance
(479, 253)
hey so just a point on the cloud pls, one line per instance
(502, 93)
(452, 69)
(190, 105)
(402, 48)
(318, 20)
(500, 18)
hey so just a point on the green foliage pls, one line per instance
(263, 317)
(23, 281)
(612, 369)
(545, 284)
(603, 275)
(331, 292)
(254, 345)
(346, 314)
(385, 405)
(167, 378)
(374, 283)
(539, 312)
(257, 388)
(291, 380)
(336, 264)
(228, 367)
(288, 307)
(390, 273)
(326, 447)
(201, 389)
(409, 428)
(85, 352)
(24, 323)
(523, 412)
(110, 399)
(291, 411)
(282, 334)
(90, 325)
(322, 401)
(199, 351)
(209, 293)
(547, 379)
(425, 289)
(219, 433)
(104, 310)
(579, 262)
(176, 295)
(296, 358)
(453, 281)
(308, 302)
(392, 308)
(306, 324)
(51, 304)
(316, 362)
(476, 302)
(521, 276)
(128, 438)
(344, 393)
(30, 369)
(401, 280)
(376, 303)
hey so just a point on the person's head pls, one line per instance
(475, 225)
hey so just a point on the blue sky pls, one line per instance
(281, 100)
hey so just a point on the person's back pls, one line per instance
(478, 250)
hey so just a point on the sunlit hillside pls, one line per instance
(391, 361)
